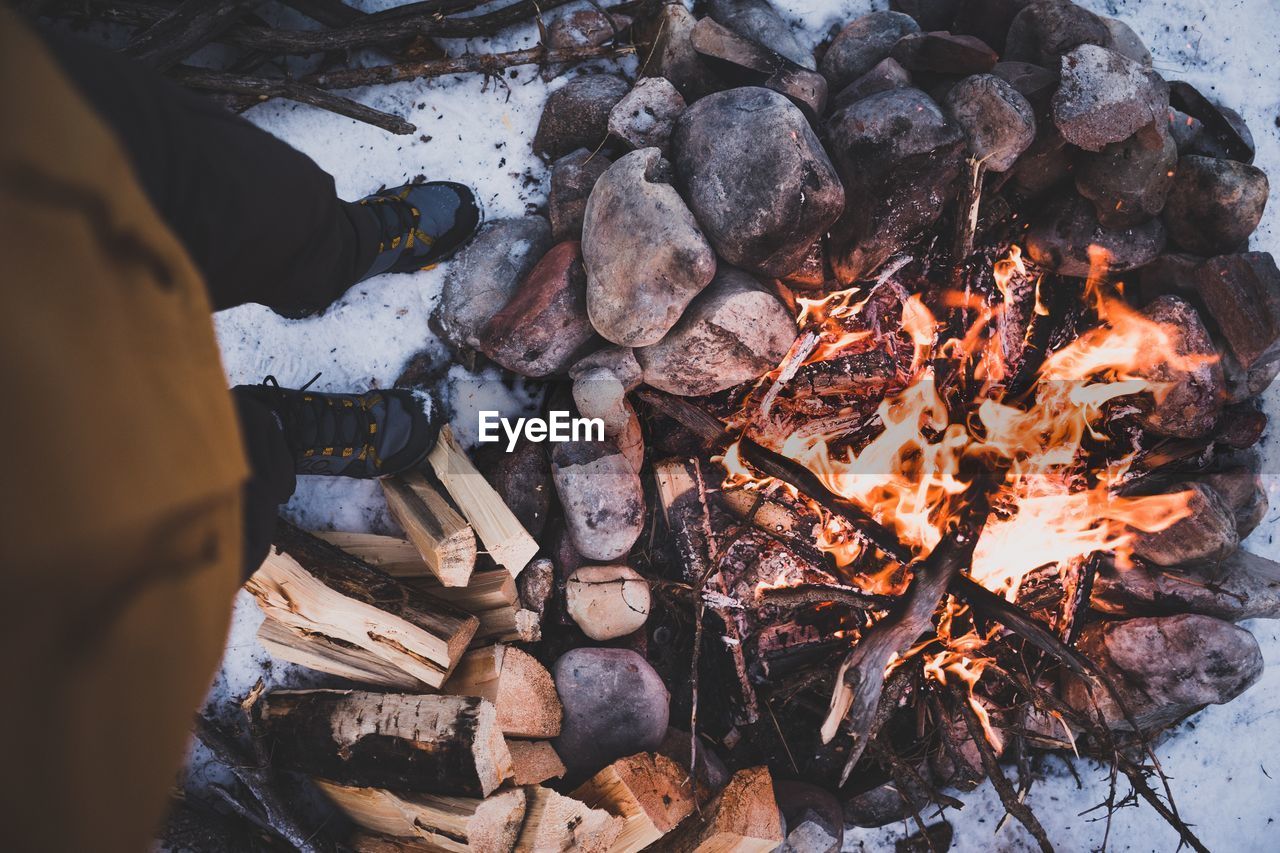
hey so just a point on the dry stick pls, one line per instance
(484, 63)
(185, 30)
(265, 88)
(1008, 796)
(802, 595)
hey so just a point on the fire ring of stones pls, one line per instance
(928, 375)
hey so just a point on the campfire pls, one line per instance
(927, 372)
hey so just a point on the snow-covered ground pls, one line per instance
(1221, 762)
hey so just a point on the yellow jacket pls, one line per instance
(120, 535)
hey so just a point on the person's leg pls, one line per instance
(261, 221)
(271, 476)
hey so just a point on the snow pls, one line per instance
(478, 132)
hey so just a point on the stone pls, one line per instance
(665, 40)
(544, 326)
(812, 816)
(862, 44)
(1242, 425)
(943, 53)
(536, 584)
(1206, 535)
(1165, 667)
(573, 177)
(1188, 372)
(1171, 272)
(577, 115)
(757, 21)
(607, 602)
(887, 74)
(619, 362)
(602, 497)
(522, 478)
(997, 120)
(1243, 586)
(1222, 132)
(929, 14)
(989, 20)
(1124, 41)
(898, 156)
(615, 705)
(1128, 181)
(599, 393)
(630, 438)
(1034, 83)
(884, 804)
(746, 63)
(485, 274)
(1047, 29)
(1104, 97)
(735, 330)
(1214, 205)
(589, 27)
(645, 255)
(1045, 165)
(757, 179)
(1242, 490)
(1242, 295)
(646, 116)
(1063, 231)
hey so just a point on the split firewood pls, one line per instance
(312, 586)
(392, 554)
(650, 792)
(517, 685)
(404, 742)
(449, 824)
(556, 822)
(504, 538)
(325, 654)
(508, 624)
(607, 602)
(534, 762)
(744, 818)
(440, 534)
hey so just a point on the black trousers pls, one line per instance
(261, 221)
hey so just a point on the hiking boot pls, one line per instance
(420, 225)
(375, 434)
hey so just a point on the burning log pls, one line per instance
(426, 744)
(519, 687)
(445, 823)
(317, 589)
(744, 818)
(651, 793)
(437, 531)
(534, 762)
(556, 822)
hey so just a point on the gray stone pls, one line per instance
(735, 330)
(646, 257)
(1062, 233)
(884, 804)
(1208, 128)
(887, 74)
(1165, 667)
(665, 40)
(581, 28)
(1206, 535)
(485, 274)
(756, 177)
(943, 53)
(1243, 586)
(1190, 402)
(646, 116)
(1034, 83)
(1124, 41)
(573, 177)
(602, 497)
(998, 121)
(898, 155)
(1214, 205)
(1242, 490)
(577, 114)
(1047, 29)
(615, 705)
(758, 21)
(862, 44)
(712, 772)
(1104, 97)
(812, 816)
(619, 362)
(522, 478)
(1045, 164)
(1128, 181)
(607, 602)
(1242, 295)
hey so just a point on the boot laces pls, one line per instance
(314, 422)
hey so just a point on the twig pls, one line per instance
(185, 30)
(802, 595)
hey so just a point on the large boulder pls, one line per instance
(898, 155)
(1104, 97)
(646, 257)
(1128, 181)
(734, 331)
(577, 114)
(1063, 233)
(862, 44)
(1164, 668)
(758, 21)
(996, 118)
(1214, 205)
(485, 274)
(615, 705)
(756, 177)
